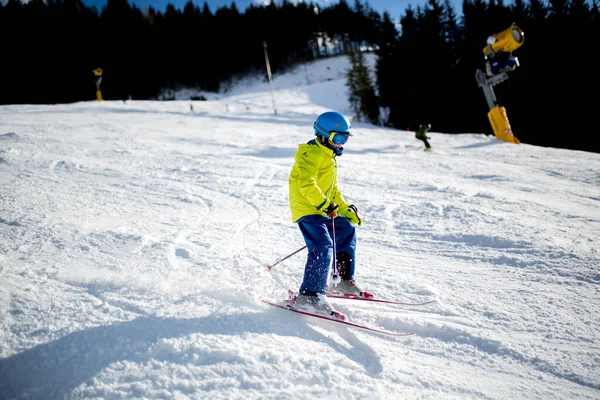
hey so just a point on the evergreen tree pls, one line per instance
(363, 100)
(387, 61)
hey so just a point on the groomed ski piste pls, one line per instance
(134, 238)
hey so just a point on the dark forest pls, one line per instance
(425, 70)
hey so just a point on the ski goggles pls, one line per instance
(339, 137)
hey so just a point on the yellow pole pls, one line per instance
(98, 73)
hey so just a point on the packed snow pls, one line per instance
(134, 240)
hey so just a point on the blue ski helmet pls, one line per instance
(331, 121)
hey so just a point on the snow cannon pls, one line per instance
(499, 48)
(506, 41)
(499, 62)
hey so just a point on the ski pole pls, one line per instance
(335, 277)
(269, 266)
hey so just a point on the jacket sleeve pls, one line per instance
(337, 198)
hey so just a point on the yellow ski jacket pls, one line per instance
(313, 181)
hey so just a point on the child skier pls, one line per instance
(317, 206)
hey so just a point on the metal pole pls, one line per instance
(269, 266)
(335, 276)
(269, 75)
(487, 84)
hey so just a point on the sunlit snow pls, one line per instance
(134, 239)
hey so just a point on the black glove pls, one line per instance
(331, 209)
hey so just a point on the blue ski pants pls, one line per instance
(318, 235)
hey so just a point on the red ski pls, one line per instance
(333, 319)
(338, 295)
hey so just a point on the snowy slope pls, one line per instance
(134, 239)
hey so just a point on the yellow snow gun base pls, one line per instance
(500, 125)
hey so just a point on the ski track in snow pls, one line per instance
(134, 239)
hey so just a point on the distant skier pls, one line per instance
(421, 134)
(314, 201)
